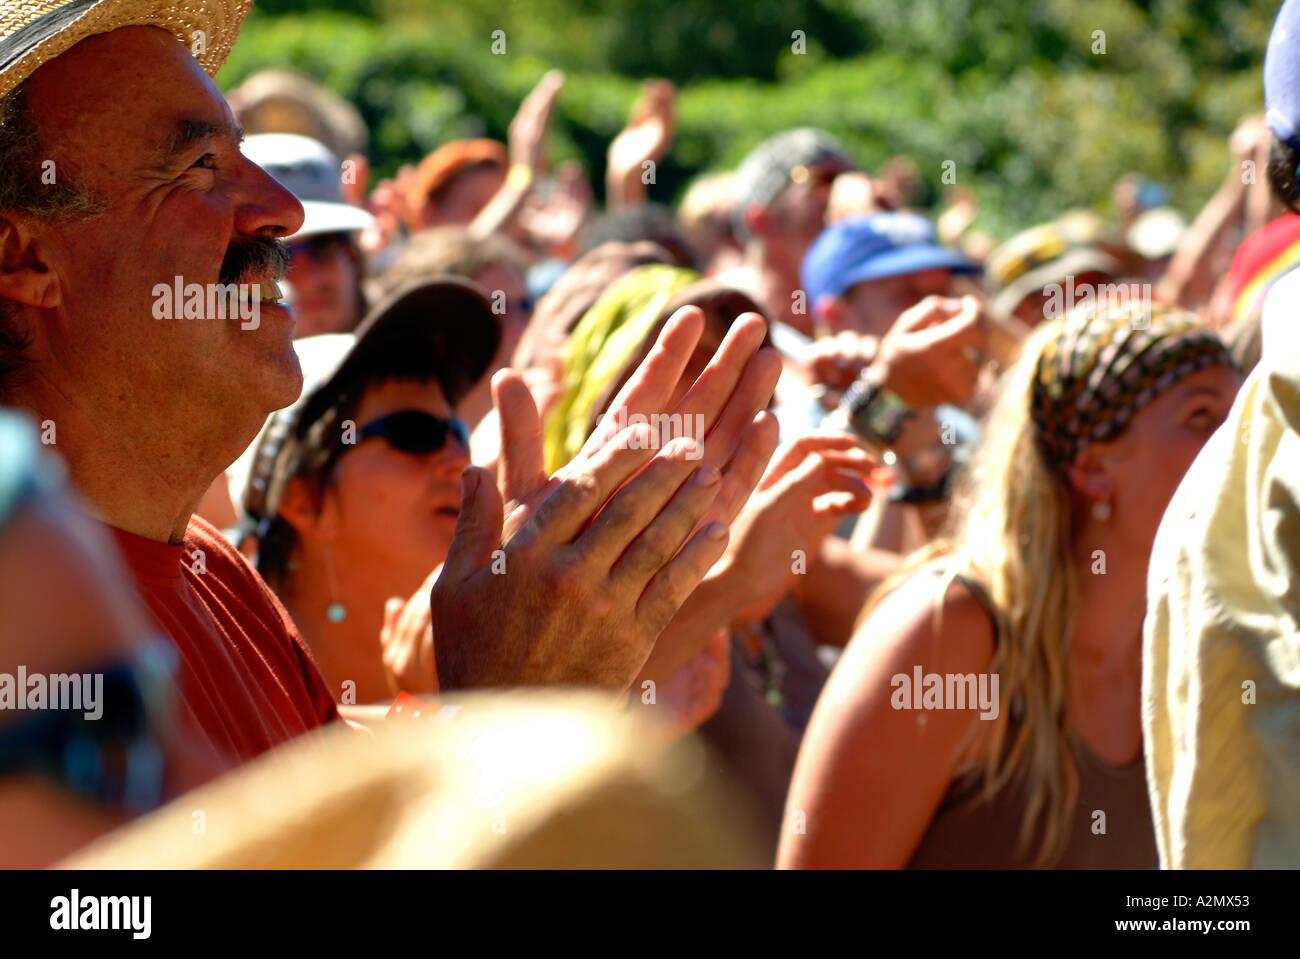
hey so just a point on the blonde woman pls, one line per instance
(986, 712)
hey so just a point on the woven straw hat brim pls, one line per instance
(34, 32)
(531, 779)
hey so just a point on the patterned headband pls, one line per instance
(1103, 367)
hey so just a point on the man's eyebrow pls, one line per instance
(190, 132)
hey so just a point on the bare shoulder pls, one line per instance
(932, 619)
(920, 623)
(875, 763)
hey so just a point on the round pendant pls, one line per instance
(335, 612)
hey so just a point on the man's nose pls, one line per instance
(263, 207)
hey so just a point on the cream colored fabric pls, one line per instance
(528, 779)
(1221, 676)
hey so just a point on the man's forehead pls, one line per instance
(134, 71)
(138, 84)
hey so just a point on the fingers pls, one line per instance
(650, 387)
(742, 475)
(962, 341)
(736, 384)
(585, 487)
(750, 396)
(936, 350)
(478, 528)
(663, 96)
(829, 485)
(523, 461)
(675, 582)
(813, 477)
(709, 394)
(962, 327)
(811, 499)
(392, 609)
(541, 99)
(928, 312)
(835, 505)
(824, 484)
(637, 534)
(791, 454)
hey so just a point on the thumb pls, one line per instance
(523, 460)
(478, 528)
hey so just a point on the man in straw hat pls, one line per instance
(121, 174)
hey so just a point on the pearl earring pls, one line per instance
(1101, 510)
(335, 612)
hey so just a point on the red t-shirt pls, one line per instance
(246, 678)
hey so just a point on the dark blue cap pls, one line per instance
(1282, 75)
(874, 247)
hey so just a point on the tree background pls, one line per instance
(1010, 90)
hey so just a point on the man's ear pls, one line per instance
(312, 517)
(24, 276)
(1089, 474)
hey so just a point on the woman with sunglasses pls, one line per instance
(353, 493)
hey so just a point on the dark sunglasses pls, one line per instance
(415, 432)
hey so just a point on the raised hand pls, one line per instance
(388, 203)
(553, 223)
(729, 395)
(812, 483)
(834, 362)
(933, 352)
(646, 138)
(406, 642)
(527, 135)
(571, 578)
(737, 382)
(527, 138)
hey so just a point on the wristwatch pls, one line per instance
(875, 413)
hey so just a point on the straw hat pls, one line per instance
(526, 779)
(33, 32)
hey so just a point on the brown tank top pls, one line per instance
(1111, 826)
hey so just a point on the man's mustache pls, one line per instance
(256, 257)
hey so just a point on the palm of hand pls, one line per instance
(598, 557)
(647, 140)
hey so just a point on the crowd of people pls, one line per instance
(953, 552)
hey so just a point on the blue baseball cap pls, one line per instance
(875, 247)
(1282, 75)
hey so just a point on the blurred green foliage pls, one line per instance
(1011, 90)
